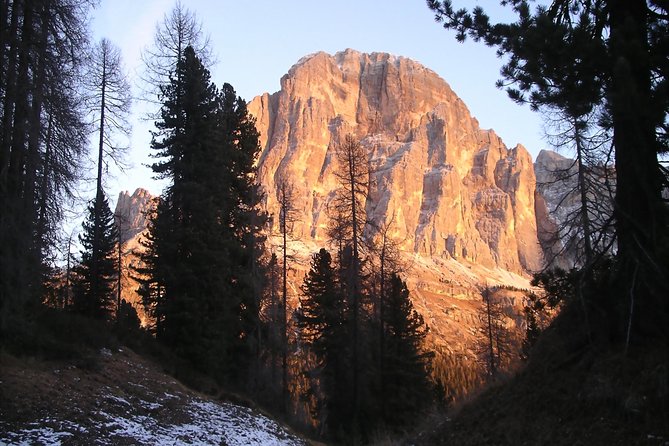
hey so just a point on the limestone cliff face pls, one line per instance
(452, 189)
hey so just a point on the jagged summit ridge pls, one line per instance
(451, 188)
(132, 212)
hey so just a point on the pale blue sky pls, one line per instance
(256, 42)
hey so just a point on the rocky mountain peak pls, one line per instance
(451, 188)
(458, 200)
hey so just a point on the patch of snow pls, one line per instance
(105, 352)
(149, 405)
(210, 424)
(44, 435)
(118, 399)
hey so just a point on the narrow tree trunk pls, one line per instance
(382, 333)
(68, 282)
(284, 303)
(159, 312)
(17, 156)
(582, 186)
(354, 276)
(4, 36)
(493, 369)
(103, 88)
(97, 230)
(118, 278)
(32, 166)
(274, 316)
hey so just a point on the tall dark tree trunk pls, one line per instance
(10, 96)
(382, 327)
(354, 281)
(101, 139)
(35, 134)
(4, 36)
(21, 107)
(274, 312)
(640, 220)
(98, 184)
(120, 270)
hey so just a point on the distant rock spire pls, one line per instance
(132, 211)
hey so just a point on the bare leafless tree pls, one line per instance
(287, 218)
(495, 347)
(179, 29)
(109, 98)
(348, 220)
(584, 188)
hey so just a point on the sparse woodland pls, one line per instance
(351, 361)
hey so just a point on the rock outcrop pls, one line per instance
(556, 178)
(132, 215)
(131, 212)
(451, 188)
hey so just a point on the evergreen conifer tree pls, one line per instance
(150, 276)
(406, 389)
(204, 242)
(95, 291)
(323, 329)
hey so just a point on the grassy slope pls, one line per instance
(571, 393)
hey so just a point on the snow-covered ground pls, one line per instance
(124, 400)
(205, 423)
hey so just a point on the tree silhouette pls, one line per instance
(495, 347)
(323, 329)
(179, 29)
(43, 137)
(406, 365)
(95, 289)
(572, 56)
(205, 229)
(347, 225)
(286, 220)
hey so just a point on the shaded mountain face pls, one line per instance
(451, 189)
(556, 176)
(559, 208)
